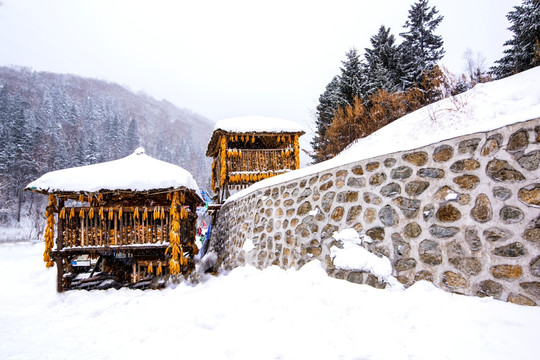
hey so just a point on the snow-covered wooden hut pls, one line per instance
(248, 149)
(125, 222)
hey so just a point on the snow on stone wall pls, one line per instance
(462, 213)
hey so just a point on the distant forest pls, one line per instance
(52, 121)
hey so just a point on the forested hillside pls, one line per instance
(52, 121)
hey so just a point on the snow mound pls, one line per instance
(136, 172)
(354, 257)
(246, 124)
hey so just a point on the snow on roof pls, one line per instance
(246, 124)
(136, 172)
(485, 107)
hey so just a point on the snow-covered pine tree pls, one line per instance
(523, 50)
(329, 101)
(132, 136)
(352, 77)
(421, 49)
(382, 62)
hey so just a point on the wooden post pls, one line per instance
(61, 226)
(60, 260)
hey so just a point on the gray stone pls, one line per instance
(500, 170)
(391, 189)
(428, 212)
(443, 153)
(518, 141)
(405, 264)
(377, 179)
(401, 247)
(532, 288)
(482, 211)
(535, 266)
(468, 146)
(472, 238)
(497, 234)
(511, 214)
(530, 161)
(388, 216)
(328, 230)
(489, 288)
(389, 162)
(431, 173)
(409, 207)
(520, 300)
(412, 230)
(443, 231)
(467, 265)
(515, 249)
(430, 253)
(374, 282)
(305, 194)
(376, 233)
(356, 182)
(401, 173)
(416, 187)
(502, 193)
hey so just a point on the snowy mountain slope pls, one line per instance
(485, 107)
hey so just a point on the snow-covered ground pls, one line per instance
(252, 314)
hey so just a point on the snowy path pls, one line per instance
(252, 314)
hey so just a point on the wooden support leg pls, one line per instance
(60, 274)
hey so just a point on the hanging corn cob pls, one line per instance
(223, 160)
(174, 237)
(49, 231)
(296, 153)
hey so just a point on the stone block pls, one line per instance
(391, 189)
(511, 214)
(482, 211)
(489, 288)
(467, 265)
(430, 252)
(492, 145)
(418, 158)
(372, 166)
(518, 141)
(443, 153)
(448, 213)
(412, 230)
(431, 173)
(502, 193)
(515, 249)
(506, 272)
(443, 231)
(467, 182)
(531, 288)
(530, 195)
(453, 280)
(405, 264)
(468, 146)
(520, 300)
(377, 179)
(464, 165)
(401, 173)
(500, 170)
(416, 187)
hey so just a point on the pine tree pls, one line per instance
(132, 136)
(523, 50)
(352, 78)
(382, 62)
(329, 101)
(421, 49)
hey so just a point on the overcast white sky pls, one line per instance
(228, 58)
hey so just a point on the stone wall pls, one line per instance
(462, 213)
